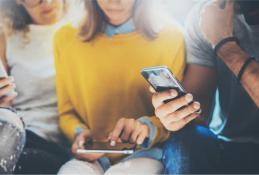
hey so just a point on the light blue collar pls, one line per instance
(125, 28)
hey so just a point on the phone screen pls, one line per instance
(107, 146)
(162, 79)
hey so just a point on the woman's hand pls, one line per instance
(6, 86)
(178, 112)
(130, 131)
(79, 143)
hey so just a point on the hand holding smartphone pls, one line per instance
(162, 79)
(174, 111)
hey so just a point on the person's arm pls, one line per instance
(201, 81)
(178, 68)
(216, 24)
(161, 134)
(69, 121)
(7, 83)
(234, 57)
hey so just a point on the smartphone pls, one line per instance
(105, 147)
(3, 74)
(162, 79)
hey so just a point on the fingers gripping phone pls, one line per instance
(3, 74)
(162, 79)
(105, 147)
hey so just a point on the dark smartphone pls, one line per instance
(162, 79)
(105, 147)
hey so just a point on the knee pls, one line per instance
(189, 136)
(79, 167)
(137, 166)
(176, 151)
(12, 130)
(12, 138)
(119, 168)
(180, 149)
(175, 155)
(8, 116)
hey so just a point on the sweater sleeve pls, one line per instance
(69, 121)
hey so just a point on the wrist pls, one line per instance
(233, 56)
(218, 40)
(79, 130)
(151, 128)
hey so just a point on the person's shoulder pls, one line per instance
(194, 15)
(66, 33)
(172, 29)
(172, 33)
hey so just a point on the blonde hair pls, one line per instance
(144, 16)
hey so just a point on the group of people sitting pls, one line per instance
(75, 82)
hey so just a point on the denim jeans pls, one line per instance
(12, 139)
(41, 156)
(196, 150)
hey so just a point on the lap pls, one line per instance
(133, 166)
(197, 150)
(41, 156)
(81, 167)
(137, 166)
(189, 150)
(12, 136)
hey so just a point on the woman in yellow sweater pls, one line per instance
(101, 94)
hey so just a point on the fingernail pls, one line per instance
(173, 93)
(196, 105)
(81, 143)
(113, 143)
(189, 97)
(14, 86)
(199, 112)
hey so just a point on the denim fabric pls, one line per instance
(40, 156)
(12, 139)
(196, 150)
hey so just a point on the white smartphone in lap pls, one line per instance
(105, 147)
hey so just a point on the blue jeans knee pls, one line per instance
(12, 136)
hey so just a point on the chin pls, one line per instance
(49, 21)
(117, 21)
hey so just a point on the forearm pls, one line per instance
(234, 57)
(201, 81)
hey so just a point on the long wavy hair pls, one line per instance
(146, 18)
(15, 18)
